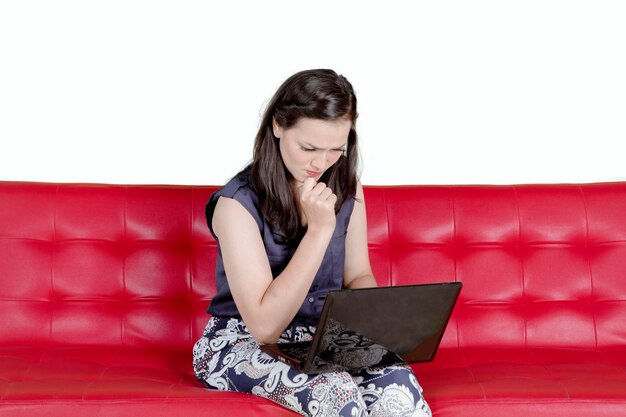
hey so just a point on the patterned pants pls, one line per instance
(226, 357)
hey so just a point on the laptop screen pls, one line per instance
(406, 320)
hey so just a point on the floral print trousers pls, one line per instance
(226, 357)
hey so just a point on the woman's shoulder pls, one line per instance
(238, 184)
(238, 188)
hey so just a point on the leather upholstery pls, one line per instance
(103, 291)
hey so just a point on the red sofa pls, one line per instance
(103, 291)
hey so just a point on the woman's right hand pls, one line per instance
(317, 202)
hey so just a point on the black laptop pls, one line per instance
(374, 327)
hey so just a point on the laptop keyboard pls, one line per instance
(298, 352)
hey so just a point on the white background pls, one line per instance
(450, 92)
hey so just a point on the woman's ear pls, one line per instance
(278, 131)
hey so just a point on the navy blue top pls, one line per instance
(329, 276)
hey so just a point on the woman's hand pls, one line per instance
(317, 203)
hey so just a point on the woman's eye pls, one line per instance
(308, 149)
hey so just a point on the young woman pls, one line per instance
(290, 227)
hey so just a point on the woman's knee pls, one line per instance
(335, 394)
(392, 391)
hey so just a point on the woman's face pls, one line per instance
(311, 146)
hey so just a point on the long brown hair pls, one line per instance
(317, 94)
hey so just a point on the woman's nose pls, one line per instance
(318, 163)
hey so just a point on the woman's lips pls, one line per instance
(313, 173)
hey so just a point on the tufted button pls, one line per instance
(311, 299)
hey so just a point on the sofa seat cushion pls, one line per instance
(522, 382)
(108, 382)
(476, 382)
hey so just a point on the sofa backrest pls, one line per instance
(131, 266)
(104, 265)
(542, 265)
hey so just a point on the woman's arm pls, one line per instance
(268, 305)
(357, 271)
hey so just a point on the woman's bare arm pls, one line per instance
(268, 305)
(357, 269)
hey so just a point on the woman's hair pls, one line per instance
(316, 94)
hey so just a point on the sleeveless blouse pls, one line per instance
(329, 275)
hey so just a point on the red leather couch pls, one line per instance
(103, 291)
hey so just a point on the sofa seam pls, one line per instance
(476, 381)
(454, 255)
(192, 258)
(521, 263)
(125, 255)
(53, 261)
(559, 381)
(587, 246)
(93, 382)
(388, 240)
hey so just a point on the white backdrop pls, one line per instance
(452, 92)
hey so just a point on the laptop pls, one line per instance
(373, 327)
